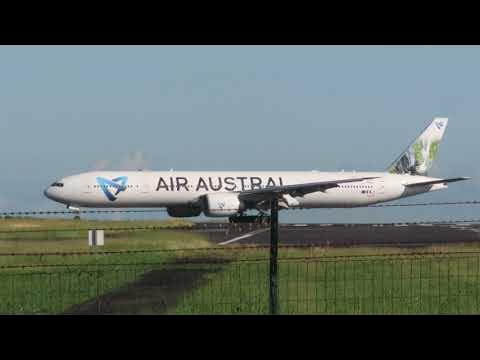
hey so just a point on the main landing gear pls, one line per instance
(262, 219)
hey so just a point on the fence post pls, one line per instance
(273, 256)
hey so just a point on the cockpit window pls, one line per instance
(58, 184)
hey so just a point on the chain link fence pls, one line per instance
(235, 281)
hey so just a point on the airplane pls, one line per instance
(232, 193)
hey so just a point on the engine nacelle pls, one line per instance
(184, 211)
(222, 204)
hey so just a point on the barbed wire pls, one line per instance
(48, 212)
(221, 261)
(230, 249)
(111, 211)
(228, 226)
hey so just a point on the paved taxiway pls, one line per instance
(354, 234)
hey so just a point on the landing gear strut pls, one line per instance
(75, 211)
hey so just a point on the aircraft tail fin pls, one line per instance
(418, 158)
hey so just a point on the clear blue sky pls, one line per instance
(67, 109)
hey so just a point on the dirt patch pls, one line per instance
(154, 293)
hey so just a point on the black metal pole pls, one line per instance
(273, 256)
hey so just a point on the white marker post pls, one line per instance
(95, 237)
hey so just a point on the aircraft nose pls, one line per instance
(50, 193)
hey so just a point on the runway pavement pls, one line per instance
(354, 234)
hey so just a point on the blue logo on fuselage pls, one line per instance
(118, 183)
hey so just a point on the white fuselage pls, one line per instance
(180, 188)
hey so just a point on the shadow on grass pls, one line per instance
(157, 290)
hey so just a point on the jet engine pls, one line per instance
(222, 204)
(184, 211)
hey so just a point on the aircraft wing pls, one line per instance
(294, 190)
(439, 181)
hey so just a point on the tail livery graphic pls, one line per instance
(118, 183)
(418, 158)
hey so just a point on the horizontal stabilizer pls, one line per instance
(439, 181)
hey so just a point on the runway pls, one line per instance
(343, 235)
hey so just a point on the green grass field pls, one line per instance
(360, 280)
(32, 282)
(15, 224)
(41, 235)
(427, 284)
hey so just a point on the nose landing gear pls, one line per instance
(75, 211)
